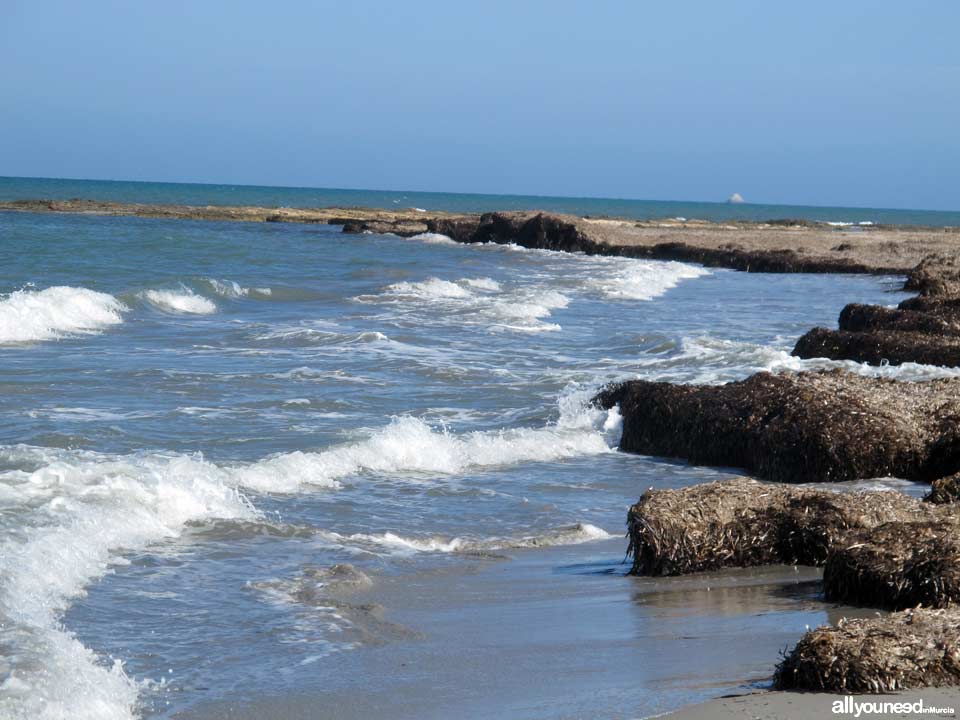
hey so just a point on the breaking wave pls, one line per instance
(183, 301)
(619, 278)
(35, 315)
(231, 289)
(434, 238)
(567, 535)
(478, 301)
(102, 507)
(80, 507)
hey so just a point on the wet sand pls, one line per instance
(550, 634)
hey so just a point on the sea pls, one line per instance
(275, 471)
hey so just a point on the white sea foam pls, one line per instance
(483, 283)
(231, 289)
(575, 534)
(306, 335)
(613, 277)
(483, 300)
(79, 512)
(428, 289)
(179, 301)
(76, 509)
(410, 448)
(34, 315)
(524, 304)
(710, 360)
(434, 238)
(629, 279)
(530, 305)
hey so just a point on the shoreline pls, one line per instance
(781, 246)
(757, 247)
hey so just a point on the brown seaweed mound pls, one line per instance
(924, 329)
(797, 427)
(897, 565)
(913, 649)
(935, 276)
(879, 347)
(944, 490)
(743, 522)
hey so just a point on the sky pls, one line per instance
(852, 102)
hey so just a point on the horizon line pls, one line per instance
(476, 194)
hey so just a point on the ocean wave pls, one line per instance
(233, 290)
(179, 301)
(410, 448)
(525, 305)
(711, 360)
(567, 535)
(434, 238)
(87, 505)
(430, 289)
(484, 283)
(299, 335)
(102, 507)
(478, 301)
(629, 279)
(35, 315)
(612, 276)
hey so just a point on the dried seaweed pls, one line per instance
(924, 329)
(897, 565)
(912, 649)
(742, 523)
(944, 490)
(797, 427)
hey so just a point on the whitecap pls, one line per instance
(80, 512)
(232, 289)
(428, 289)
(77, 509)
(575, 534)
(36, 315)
(630, 279)
(434, 238)
(483, 300)
(179, 301)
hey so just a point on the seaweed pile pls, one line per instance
(797, 427)
(897, 565)
(878, 548)
(923, 329)
(944, 490)
(743, 523)
(915, 648)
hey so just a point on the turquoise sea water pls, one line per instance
(200, 420)
(196, 194)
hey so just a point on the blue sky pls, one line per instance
(830, 103)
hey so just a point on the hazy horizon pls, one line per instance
(813, 105)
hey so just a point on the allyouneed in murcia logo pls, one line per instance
(849, 706)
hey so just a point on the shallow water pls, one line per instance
(199, 419)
